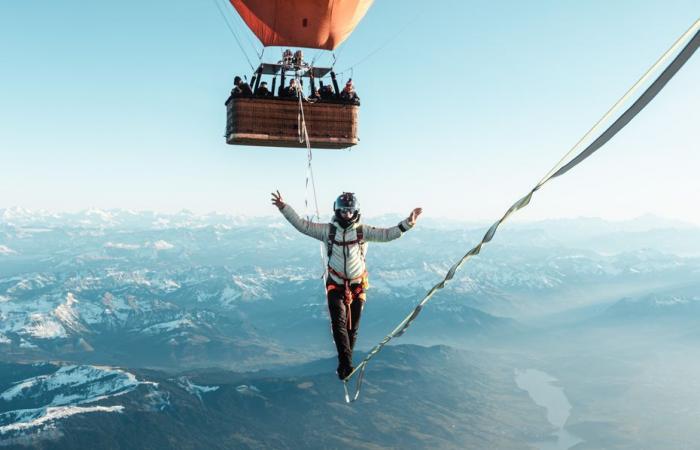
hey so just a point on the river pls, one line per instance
(544, 391)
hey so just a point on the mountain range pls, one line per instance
(211, 332)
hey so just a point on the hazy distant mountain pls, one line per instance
(657, 308)
(648, 231)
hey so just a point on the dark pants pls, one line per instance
(343, 335)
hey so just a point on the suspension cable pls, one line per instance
(235, 36)
(381, 47)
(250, 41)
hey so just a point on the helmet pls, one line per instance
(346, 202)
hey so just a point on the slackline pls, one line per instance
(681, 58)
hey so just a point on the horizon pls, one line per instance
(275, 216)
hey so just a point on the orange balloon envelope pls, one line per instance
(322, 24)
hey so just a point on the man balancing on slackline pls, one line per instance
(346, 279)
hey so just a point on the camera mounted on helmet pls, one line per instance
(347, 209)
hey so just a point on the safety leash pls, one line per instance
(304, 138)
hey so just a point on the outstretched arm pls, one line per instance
(389, 234)
(315, 230)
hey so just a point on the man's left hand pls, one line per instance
(413, 217)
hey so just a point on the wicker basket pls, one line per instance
(275, 122)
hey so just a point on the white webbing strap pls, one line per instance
(559, 169)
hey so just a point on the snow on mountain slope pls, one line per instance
(68, 315)
(43, 318)
(185, 323)
(162, 245)
(34, 418)
(195, 389)
(43, 327)
(42, 400)
(5, 250)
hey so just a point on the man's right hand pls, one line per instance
(277, 200)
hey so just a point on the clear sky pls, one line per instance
(466, 105)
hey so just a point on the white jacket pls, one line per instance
(347, 260)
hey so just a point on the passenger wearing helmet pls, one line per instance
(346, 279)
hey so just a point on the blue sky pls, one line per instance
(465, 107)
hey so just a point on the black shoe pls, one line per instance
(344, 371)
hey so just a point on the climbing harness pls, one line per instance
(559, 169)
(352, 289)
(361, 283)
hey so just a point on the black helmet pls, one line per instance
(347, 202)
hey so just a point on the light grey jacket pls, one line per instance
(347, 260)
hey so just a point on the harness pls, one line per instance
(360, 283)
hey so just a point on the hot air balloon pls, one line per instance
(278, 117)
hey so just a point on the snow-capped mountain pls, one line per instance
(37, 403)
(109, 289)
(149, 289)
(36, 220)
(656, 307)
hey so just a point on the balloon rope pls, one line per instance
(247, 35)
(304, 137)
(235, 36)
(381, 47)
